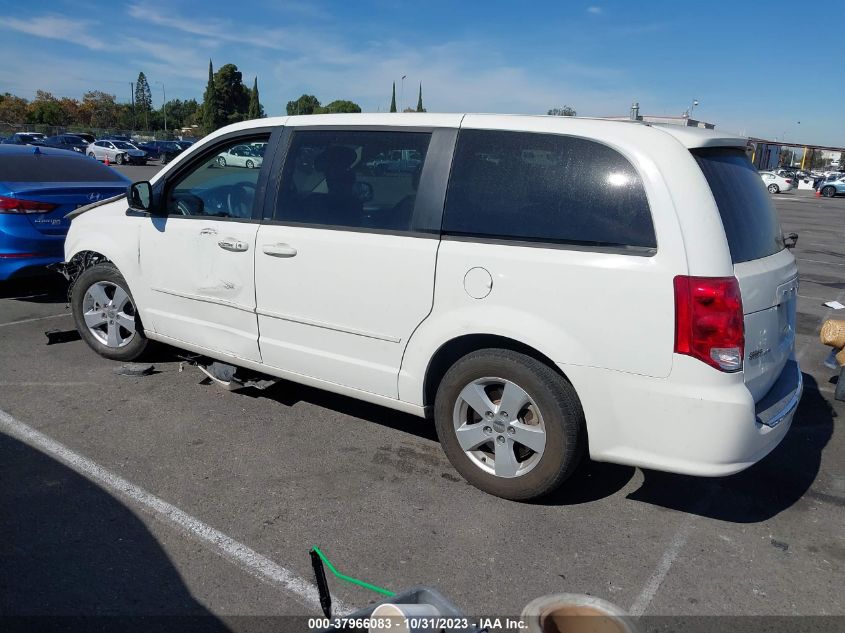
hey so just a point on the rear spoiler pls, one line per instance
(88, 207)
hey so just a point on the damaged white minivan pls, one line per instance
(542, 287)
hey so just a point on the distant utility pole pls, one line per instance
(132, 94)
(402, 94)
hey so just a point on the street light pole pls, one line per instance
(402, 95)
(163, 105)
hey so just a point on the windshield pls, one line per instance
(122, 145)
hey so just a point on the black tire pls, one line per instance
(106, 272)
(829, 192)
(249, 164)
(92, 155)
(221, 161)
(560, 408)
(773, 188)
(118, 159)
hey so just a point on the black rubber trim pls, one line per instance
(432, 235)
(636, 251)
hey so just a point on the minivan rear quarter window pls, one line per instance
(748, 215)
(546, 188)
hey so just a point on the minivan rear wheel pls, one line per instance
(105, 314)
(509, 423)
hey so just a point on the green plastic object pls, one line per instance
(350, 579)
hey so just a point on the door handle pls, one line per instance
(231, 244)
(279, 250)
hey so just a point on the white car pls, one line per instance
(775, 183)
(243, 155)
(118, 152)
(617, 298)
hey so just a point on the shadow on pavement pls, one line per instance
(74, 558)
(47, 288)
(766, 489)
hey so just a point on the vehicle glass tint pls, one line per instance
(51, 168)
(220, 186)
(748, 215)
(122, 145)
(547, 188)
(364, 179)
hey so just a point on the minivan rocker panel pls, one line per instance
(540, 286)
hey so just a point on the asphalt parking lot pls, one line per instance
(278, 471)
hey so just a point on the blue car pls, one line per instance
(833, 186)
(39, 186)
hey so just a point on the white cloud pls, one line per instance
(594, 10)
(57, 28)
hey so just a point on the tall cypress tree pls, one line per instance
(420, 107)
(393, 99)
(209, 103)
(255, 109)
(143, 98)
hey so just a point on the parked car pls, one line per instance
(164, 151)
(66, 141)
(775, 183)
(118, 152)
(834, 186)
(88, 138)
(629, 296)
(395, 161)
(38, 187)
(117, 137)
(25, 138)
(240, 156)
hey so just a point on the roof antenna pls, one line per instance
(635, 111)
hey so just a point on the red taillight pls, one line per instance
(14, 205)
(788, 181)
(709, 322)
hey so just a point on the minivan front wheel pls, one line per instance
(105, 314)
(509, 423)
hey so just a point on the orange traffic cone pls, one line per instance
(818, 193)
(107, 160)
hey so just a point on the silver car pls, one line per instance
(118, 152)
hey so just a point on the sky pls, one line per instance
(768, 71)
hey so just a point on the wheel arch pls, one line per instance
(450, 351)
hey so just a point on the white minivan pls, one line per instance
(542, 287)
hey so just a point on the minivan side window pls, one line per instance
(545, 188)
(748, 215)
(221, 185)
(352, 178)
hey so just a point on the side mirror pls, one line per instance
(791, 240)
(141, 196)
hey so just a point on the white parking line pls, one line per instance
(52, 316)
(653, 584)
(246, 558)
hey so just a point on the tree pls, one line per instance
(420, 107)
(393, 99)
(12, 109)
(45, 109)
(232, 95)
(339, 105)
(255, 110)
(143, 98)
(98, 109)
(212, 117)
(306, 104)
(564, 111)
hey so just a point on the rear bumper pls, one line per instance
(24, 251)
(691, 423)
